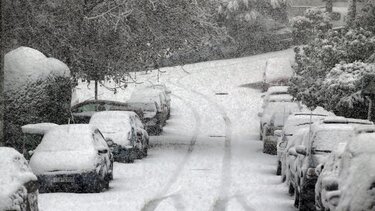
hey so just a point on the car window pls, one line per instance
(328, 140)
(99, 140)
(86, 107)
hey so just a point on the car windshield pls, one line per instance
(326, 140)
(84, 108)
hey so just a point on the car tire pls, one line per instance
(110, 176)
(145, 151)
(278, 170)
(303, 204)
(296, 199)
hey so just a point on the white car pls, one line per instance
(294, 122)
(277, 98)
(347, 180)
(277, 71)
(119, 127)
(73, 156)
(324, 136)
(275, 90)
(18, 184)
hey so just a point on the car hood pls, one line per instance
(120, 138)
(48, 162)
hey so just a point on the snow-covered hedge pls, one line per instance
(329, 72)
(342, 89)
(37, 89)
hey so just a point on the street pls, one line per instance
(208, 156)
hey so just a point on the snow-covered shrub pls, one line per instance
(315, 61)
(305, 27)
(341, 90)
(37, 89)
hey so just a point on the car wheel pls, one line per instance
(145, 152)
(278, 170)
(111, 174)
(296, 199)
(303, 204)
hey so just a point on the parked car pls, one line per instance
(273, 119)
(167, 93)
(346, 180)
(323, 138)
(73, 156)
(156, 95)
(291, 157)
(277, 98)
(274, 90)
(18, 185)
(294, 122)
(82, 112)
(120, 128)
(277, 71)
(142, 143)
(33, 135)
(276, 107)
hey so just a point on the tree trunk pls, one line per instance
(329, 6)
(96, 89)
(352, 10)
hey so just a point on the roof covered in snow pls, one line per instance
(39, 128)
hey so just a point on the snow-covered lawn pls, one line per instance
(208, 156)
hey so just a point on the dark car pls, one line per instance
(82, 112)
(73, 156)
(18, 185)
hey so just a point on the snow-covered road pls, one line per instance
(208, 156)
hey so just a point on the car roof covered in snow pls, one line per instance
(274, 89)
(15, 172)
(281, 98)
(68, 137)
(278, 68)
(343, 120)
(39, 128)
(111, 121)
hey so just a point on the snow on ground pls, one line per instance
(208, 156)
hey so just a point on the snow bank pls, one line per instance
(14, 172)
(25, 64)
(65, 148)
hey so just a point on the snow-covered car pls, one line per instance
(82, 112)
(18, 184)
(73, 156)
(142, 142)
(324, 136)
(274, 90)
(274, 107)
(273, 119)
(120, 128)
(291, 156)
(167, 93)
(294, 122)
(277, 71)
(346, 180)
(33, 135)
(328, 171)
(277, 98)
(156, 95)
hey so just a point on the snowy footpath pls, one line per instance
(208, 157)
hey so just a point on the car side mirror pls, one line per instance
(109, 142)
(278, 133)
(333, 197)
(260, 114)
(301, 150)
(292, 152)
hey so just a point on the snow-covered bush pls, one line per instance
(341, 91)
(305, 27)
(37, 89)
(314, 63)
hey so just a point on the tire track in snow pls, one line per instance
(221, 202)
(154, 203)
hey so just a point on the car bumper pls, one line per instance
(124, 154)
